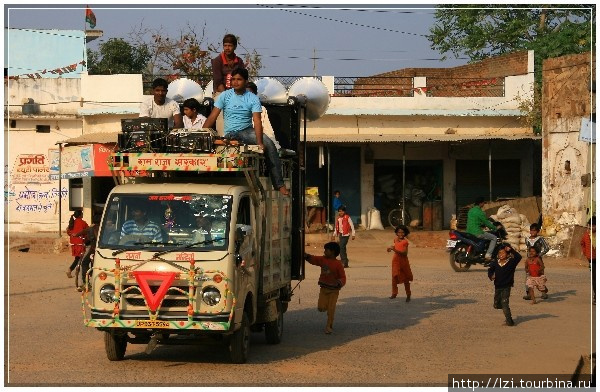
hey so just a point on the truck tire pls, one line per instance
(457, 256)
(239, 343)
(115, 346)
(274, 329)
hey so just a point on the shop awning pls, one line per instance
(374, 138)
(90, 138)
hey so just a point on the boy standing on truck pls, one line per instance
(332, 279)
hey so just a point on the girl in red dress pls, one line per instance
(76, 225)
(401, 272)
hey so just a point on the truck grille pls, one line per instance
(173, 298)
(167, 303)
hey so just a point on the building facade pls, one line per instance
(428, 135)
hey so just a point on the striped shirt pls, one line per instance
(149, 229)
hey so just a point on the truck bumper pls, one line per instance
(167, 321)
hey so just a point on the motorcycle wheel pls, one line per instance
(457, 253)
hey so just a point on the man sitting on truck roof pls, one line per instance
(141, 226)
(241, 109)
(159, 106)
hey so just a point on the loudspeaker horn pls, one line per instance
(317, 96)
(271, 91)
(181, 89)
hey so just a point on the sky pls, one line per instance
(348, 40)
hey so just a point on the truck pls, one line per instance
(218, 249)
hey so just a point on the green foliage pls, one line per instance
(117, 56)
(482, 31)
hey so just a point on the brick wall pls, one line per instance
(566, 87)
(481, 79)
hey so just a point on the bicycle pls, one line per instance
(395, 217)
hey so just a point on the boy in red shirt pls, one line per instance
(332, 279)
(534, 268)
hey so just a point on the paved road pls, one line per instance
(448, 327)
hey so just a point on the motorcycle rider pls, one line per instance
(476, 218)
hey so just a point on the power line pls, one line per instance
(366, 10)
(343, 21)
(48, 32)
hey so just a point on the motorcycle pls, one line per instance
(466, 249)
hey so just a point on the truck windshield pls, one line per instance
(163, 221)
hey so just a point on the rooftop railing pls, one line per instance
(382, 86)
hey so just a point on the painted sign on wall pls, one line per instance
(30, 168)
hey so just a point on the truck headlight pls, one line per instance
(211, 296)
(107, 293)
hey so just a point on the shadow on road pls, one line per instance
(558, 296)
(523, 319)
(356, 318)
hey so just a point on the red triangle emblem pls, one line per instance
(154, 299)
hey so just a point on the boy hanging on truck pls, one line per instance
(332, 279)
(241, 109)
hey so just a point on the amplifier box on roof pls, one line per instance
(191, 141)
(145, 124)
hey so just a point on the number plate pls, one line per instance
(451, 244)
(152, 324)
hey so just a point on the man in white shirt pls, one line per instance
(159, 106)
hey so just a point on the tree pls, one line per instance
(186, 54)
(482, 31)
(117, 56)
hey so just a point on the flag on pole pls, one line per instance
(90, 17)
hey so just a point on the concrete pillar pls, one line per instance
(328, 81)
(527, 169)
(367, 187)
(449, 184)
(87, 199)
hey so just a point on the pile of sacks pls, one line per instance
(516, 226)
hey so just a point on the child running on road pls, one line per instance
(401, 272)
(332, 279)
(534, 267)
(502, 272)
(541, 246)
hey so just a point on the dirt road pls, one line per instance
(449, 327)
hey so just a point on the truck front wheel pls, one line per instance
(115, 346)
(274, 329)
(239, 343)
